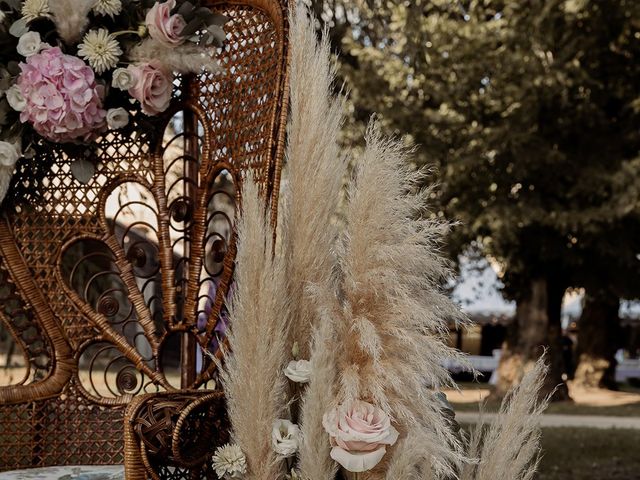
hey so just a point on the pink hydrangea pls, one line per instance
(63, 101)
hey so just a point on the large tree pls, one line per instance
(526, 108)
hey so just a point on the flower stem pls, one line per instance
(125, 32)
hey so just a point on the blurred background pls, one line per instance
(527, 114)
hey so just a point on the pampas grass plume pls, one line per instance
(314, 175)
(186, 58)
(509, 450)
(253, 377)
(314, 172)
(71, 18)
(393, 317)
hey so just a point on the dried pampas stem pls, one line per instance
(186, 58)
(252, 377)
(71, 18)
(509, 450)
(393, 320)
(314, 173)
(315, 462)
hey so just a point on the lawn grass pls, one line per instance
(563, 408)
(590, 454)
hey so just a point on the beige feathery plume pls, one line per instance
(314, 461)
(253, 377)
(510, 448)
(412, 459)
(314, 172)
(71, 18)
(392, 324)
(314, 175)
(186, 58)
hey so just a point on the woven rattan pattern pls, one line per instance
(179, 433)
(53, 419)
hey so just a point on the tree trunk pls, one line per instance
(536, 327)
(598, 340)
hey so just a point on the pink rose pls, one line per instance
(61, 98)
(359, 434)
(163, 26)
(152, 87)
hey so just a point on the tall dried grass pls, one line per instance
(392, 322)
(252, 376)
(510, 448)
(314, 461)
(315, 170)
(314, 174)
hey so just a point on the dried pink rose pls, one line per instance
(152, 87)
(163, 26)
(359, 434)
(63, 101)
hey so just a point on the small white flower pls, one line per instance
(123, 79)
(108, 7)
(15, 99)
(298, 371)
(29, 44)
(2, 16)
(9, 153)
(117, 118)
(285, 437)
(100, 49)
(32, 9)
(229, 462)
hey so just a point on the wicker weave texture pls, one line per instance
(108, 287)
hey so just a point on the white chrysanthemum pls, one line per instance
(32, 9)
(229, 461)
(108, 7)
(100, 49)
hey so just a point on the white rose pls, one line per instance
(123, 79)
(15, 99)
(359, 434)
(117, 118)
(298, 371)
(29, 44)
(285, 437)
(9, 154)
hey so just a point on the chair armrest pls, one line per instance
(172, 435)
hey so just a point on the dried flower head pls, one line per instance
(229, 461)
(100, 49)
(108, 7)
(32, 9)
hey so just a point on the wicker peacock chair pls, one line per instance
(113, 280)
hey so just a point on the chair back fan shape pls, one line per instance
(114, 282)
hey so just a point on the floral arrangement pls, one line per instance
(337, 328)
(72, 69)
